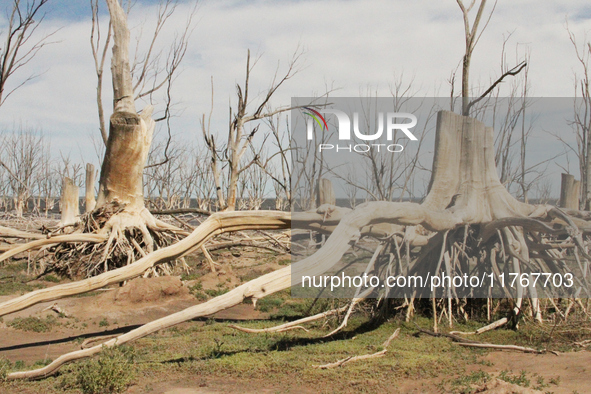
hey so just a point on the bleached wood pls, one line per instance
(90, 201)
(51, 241)
(569, 192)
(70, 203)
(349, 359)
(502, 347)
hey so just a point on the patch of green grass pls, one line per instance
(468, 384)
(104, 323)
(51, 278)
(216, 292)
(269, 303)
(111, 372)
(192, 276)
(34, 324)
(14, 287)
(520, 380)
(4, 368)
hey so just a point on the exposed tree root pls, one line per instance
(215, 224)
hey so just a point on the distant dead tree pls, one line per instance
(277, 165)
(19, 43)
(22, 159)
(581, 122)
(227, 162)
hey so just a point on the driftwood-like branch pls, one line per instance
(492, 326)
(349, 359)
(52, 241)
(7, 232)
(181, 211)
(503, 347)
(291, 325)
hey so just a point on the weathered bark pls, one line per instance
(90, 201)
(121, 180)
(569, 192)
(70, 203)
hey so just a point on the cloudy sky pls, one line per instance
(351, 45)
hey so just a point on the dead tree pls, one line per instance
(581, 122)
(120, 229)
(465, 197)
(472, 36)
(150, 72)
(18, 43)
(227, 160)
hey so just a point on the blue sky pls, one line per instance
(354, 45)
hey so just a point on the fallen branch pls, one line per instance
(443, 334)
(6, 232)
(181, 211)
(87, 341)
(492, 326)
(503, 347)
(215, 224)
(70, 238)
(57, 309)
(291, 325)
(349, 359)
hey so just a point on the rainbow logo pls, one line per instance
(315, 115)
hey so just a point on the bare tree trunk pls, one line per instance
(130, 134)
(70, 203)
(89, 195)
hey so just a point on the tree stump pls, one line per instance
(325, 193)
(89, 184)
(70, 203)
(569, 192)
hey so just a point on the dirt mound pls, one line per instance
(150, 289)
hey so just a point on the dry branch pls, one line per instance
(291, 325)
(503, 347)
(492, 326)
(363, 357)
(70, 238)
